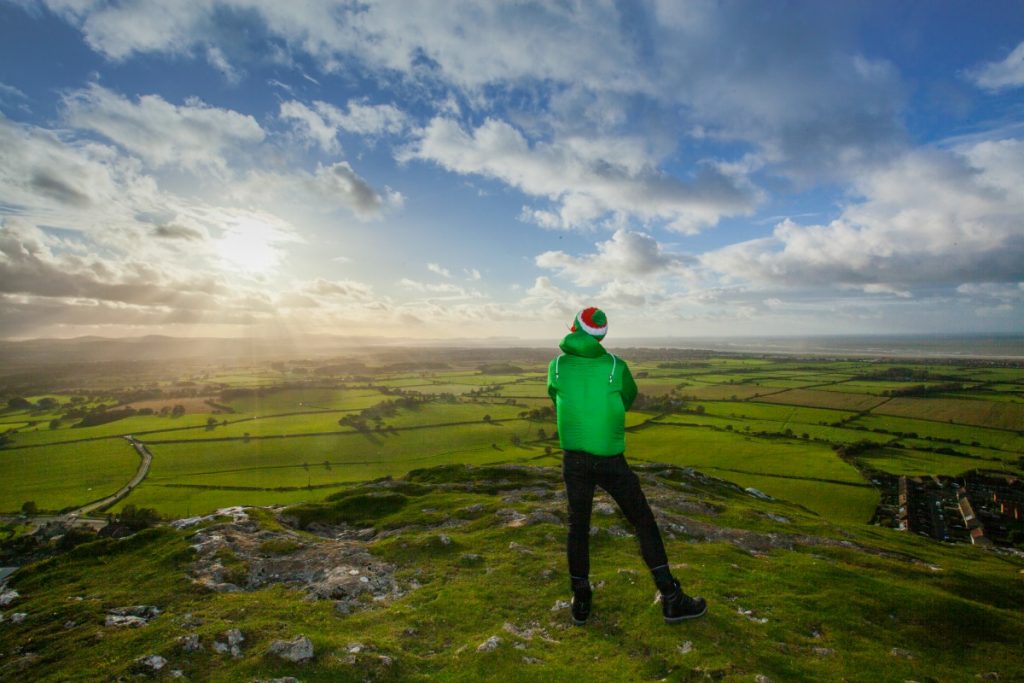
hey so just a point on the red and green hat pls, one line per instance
(593, 321)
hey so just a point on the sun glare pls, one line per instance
(251, 246)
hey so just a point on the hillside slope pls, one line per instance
(457, 573)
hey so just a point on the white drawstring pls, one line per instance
(613, 369)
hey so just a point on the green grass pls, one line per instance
(913, 462)
(298, 400)
(802, 472)
(997, 414)
(994, 438)
(60, 476)
(724, 392)
(299, 462)
(767, 411)
(130, 425)
(835, 435)
(860, 602)
(816, 398)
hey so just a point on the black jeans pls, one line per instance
(582, 471)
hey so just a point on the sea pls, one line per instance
(1003, 347)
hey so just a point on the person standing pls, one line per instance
(592, 390)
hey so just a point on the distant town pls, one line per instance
(982, 508)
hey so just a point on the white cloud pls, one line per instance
(328, 188)
(472, 274)
(343, 289)
(1001, 75)
(311, 126)
(626, 256)
(933, 217)
(322, 123)
(586, 187)
(798, 90)
(194, 136)
(449, 290)
(436, 268)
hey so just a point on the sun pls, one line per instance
(250, 246)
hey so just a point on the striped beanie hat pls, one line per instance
(593, 321)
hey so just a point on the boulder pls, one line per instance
(190, 643)
(298, 649)
(150, 663)
(489, 644)
(7, 599)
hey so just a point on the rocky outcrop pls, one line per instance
(133, 616)
(299, 649)
(239, 555)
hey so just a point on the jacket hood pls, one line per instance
(580, 343)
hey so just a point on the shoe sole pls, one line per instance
(676, 620)
(577, 622)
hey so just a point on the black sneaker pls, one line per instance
(678, 606)
(580, 605)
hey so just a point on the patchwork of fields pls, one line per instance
(258, 437)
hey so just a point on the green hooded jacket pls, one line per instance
(592, 390)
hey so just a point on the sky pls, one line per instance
(456, 169)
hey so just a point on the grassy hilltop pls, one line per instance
(458, 555)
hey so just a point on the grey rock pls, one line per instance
(900, 652)
(124, 622)
(7, 599)
(445, 539)
(232, 643)
(489, 644)
(604, 509)
(685, 648)
(761, 678)
(823, 651)
(758, 494)
(298, 649)
(18, 617)
(190, 643)
(151, 662)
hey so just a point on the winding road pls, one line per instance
(104, 503)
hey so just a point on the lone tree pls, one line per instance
(29, 507)
(18, 403)
(487, 418)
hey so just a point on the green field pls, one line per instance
(807, 473)
(913, 462)
(816, 398)
(993, 438)
(997, 414)
(298, 400)
(60, 476)
(772, 424)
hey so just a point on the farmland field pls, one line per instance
(997, 414)
(62, 476)
(771, 424)
(825, 399)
